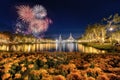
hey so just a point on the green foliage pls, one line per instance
(95, 33)
(92, 65)
(33, 77)
(99, 32)
(64, 73)
(25, 62)
(50, 63)
(103, 46)
(115, 36)
(90, 74)
(1, 73)
(38, 64)
(15, 69)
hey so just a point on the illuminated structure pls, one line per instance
(60, 38)
(4, 38)
(70, 39)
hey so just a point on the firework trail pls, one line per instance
(35, 17)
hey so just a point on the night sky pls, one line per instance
(68, 16)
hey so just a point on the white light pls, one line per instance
(111, 29)
(56, 40)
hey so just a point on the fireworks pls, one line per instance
(20, 28)
(39, 11)
(35, 17)
(25, 13)
(36, 27)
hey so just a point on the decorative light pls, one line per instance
(111, 29)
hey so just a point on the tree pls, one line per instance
(113, 27)
(112, 21)
(116, 36)
(95, 32)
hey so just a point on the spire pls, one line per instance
(71, 37)
(60, 38)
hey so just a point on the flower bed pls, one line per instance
(59, 66)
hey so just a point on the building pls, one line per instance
(60, 38)
(4, 38)
(70, 39)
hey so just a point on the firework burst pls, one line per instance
(25, 13)
(35, 17)
(39, 11)
(20, 28)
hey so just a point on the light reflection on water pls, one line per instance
(60, 47)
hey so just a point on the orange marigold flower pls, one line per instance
(44, 60)
(30, 66)
(17, 75)
(5, 76)
(75, 76)
(23, 69)
(91, 78)
(59, 77)
(102, 77)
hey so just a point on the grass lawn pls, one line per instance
(101, 46)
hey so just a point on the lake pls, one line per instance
(59, 47)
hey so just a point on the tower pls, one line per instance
(60, 38)
(71, 37)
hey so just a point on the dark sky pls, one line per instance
(67, 15)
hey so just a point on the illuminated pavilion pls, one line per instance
(70, 39)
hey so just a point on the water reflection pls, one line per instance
(85, 49)
(65, 47)
(70, 47)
